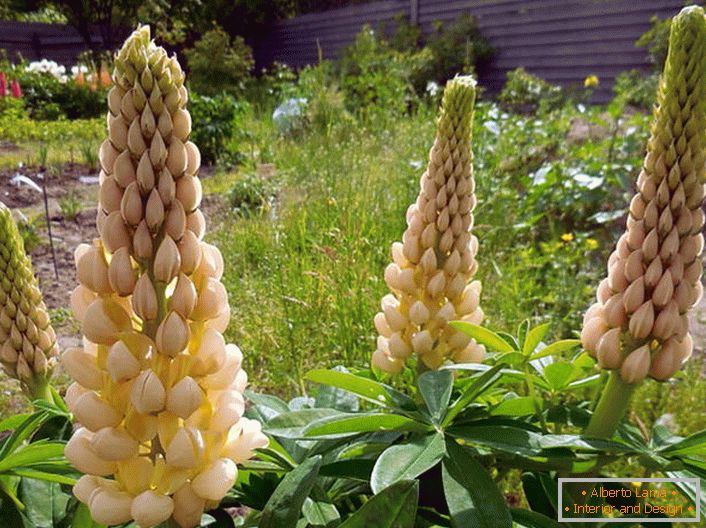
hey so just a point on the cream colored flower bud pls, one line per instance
(131, 205)
(120, 273)
(398, 346)
(85, 486)
(210, 355)
(142, 241)
(172, 334)
(212, 299)
(242, 441)
(144, 299)
(175, 221)
(196, 223)
(110, 195)
(104, 321)
(166, 187)
(472, 353)
(124, 170)
(215, 481)
(419, 313)
(211, 264)
(135, 141)
(107, 156)
(608, 349)
(381, 325)
(73, 392)
(78, 451)
(92, 271)
(82, 368)
(188, 507)
(158, 151)
(150, 508)
(114, 233)
(182, 124)
(190, 251)
(147, 394)
(121, 364)
(422, 342)
(666, 362)
(94, 413)
(176, 157)
(663, 291)
(636, 365)
(193, 158)
(114, 443)
(185, 449)
(592, 331)
(642, 320)
(229, 408)
(223, 378)
(154, 211)
(634, 295)
(189, 192)
(183, 299)
(167, 261)
(109, 506)
(184, 397)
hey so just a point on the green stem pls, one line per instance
(611, 407)
(40, 389)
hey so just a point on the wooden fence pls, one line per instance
(36, 41)
(562, 41)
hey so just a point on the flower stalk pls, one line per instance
(158, 393)
(639, 325)
(432, 266)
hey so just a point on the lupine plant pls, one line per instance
(161, 429)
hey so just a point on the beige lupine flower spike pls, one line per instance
(435, 261)
(639, 324)
(158, 393)
(27, 341)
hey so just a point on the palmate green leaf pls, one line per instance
(688, 489)
(393, 507)
(82, 518)
(469, 395)
(30, 473)
(435, 387)
(343, 425)
(292, 424)
(504, 438)
(522, 331)
(534, 337)
(285, 504)
(560, 373)
(367, 389)
(407, 461)
(472, 496)
(265, 406)
(522, 406)
(581, 443)
(531, 519)
(483, 336)
(557, 347)
(321, 514)
(45, 503)
(352, 468)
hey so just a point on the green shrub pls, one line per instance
(376, 77)
(218, 64)
(251, 194)
(656, 41)
(456, 49)
(217, 121)
(526, 92)
(635, 88)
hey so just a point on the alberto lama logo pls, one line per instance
(617, 500)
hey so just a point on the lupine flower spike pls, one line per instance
(157, 392)
(27, 341)
(639, 326)
(429, 278)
